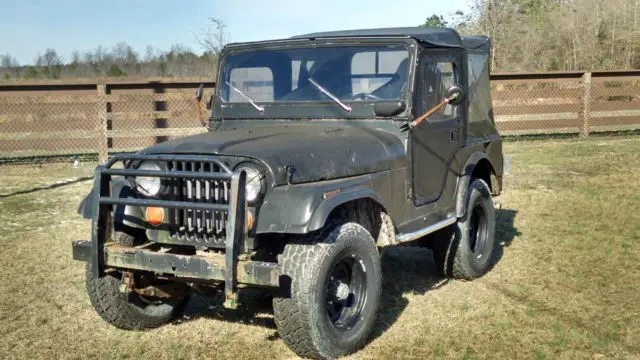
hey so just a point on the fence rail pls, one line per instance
(88, 116)
(566, 102)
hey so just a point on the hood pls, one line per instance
(314, 152)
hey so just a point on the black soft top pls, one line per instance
(429, 35)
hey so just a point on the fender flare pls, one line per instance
(302, 208)
(118, 186)
(324, 209)
(464, 180)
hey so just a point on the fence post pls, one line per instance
(586, 105)
(102, 141)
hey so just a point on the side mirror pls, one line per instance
(389, 108)
(199, 92)
(456, 94)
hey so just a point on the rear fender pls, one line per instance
(464, 180)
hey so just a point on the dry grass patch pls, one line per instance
(566, 286)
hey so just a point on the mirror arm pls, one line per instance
(421, 118)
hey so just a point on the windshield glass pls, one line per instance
(349, 73)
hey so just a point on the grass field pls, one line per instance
(567, 285)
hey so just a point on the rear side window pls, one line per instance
(437, 77)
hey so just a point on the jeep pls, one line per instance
(321, 151)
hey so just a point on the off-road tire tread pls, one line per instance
(460, 267)
(290, 313)
(111, 305)
(123, 238)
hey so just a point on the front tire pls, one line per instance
(330, 307)
(128, 311)
(465, 250)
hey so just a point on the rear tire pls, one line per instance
(465, 250)
(128, 311)
(331, 304)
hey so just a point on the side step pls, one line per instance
(426, 231)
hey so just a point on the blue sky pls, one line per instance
(29, 27)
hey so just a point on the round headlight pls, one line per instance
(149, 186)
(255, 182)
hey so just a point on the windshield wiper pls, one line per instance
(250, 100)
(330, 95)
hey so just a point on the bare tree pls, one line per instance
(150, 54)
(51, 63)
(124, 54)
(7, 61)
(214, 37)
(10, 66)
(542, 35)
(75, 57)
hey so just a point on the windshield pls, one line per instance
(346, 73)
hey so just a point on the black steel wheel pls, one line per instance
(346, 292)
(465, 250)
(479, 232)
(330, 305)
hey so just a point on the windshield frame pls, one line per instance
(312, 109)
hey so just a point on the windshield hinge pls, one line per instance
(214, 124)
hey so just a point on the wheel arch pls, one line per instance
(350, 198)
(478, 166)
(303, 208)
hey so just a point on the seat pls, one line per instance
(331, 75)
(393, 88)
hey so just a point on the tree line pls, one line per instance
(120, 60)
(555, 35)
(527, 36)
(123, 60)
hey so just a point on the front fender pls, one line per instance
(86, 204)
(120, 186)
(299, 209)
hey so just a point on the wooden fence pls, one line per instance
(566, 102)
(57, 118)
(78, 117)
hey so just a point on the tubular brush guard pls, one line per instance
(236, 210)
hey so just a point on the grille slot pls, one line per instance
(197, 227)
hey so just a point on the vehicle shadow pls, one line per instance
(506, 232)
(406, 269)
(412, 270)
(254, 309)
(46, 187)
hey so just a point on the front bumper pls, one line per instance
(184, 266)
(101, 255)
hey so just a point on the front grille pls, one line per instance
(197, 227)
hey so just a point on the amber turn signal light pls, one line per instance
(250, 220)
(155, 215)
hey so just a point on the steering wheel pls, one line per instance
(364, 96)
